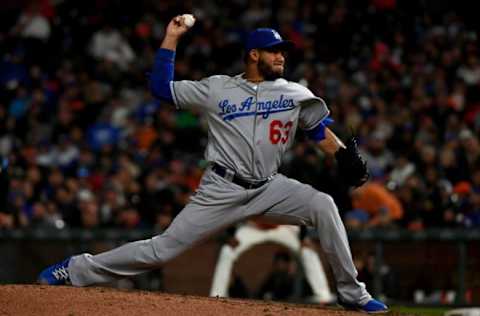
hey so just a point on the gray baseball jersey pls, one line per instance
(250, 126)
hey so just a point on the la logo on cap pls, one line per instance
(276, 35)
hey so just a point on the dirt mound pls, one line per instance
(71, 301)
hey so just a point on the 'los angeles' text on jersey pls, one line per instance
(230, 111)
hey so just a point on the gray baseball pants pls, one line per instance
(217, 204)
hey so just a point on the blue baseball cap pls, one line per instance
(265, 38)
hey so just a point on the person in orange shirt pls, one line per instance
(373, 205)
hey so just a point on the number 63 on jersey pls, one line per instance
(280, 132)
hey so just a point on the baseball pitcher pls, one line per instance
(252, 119)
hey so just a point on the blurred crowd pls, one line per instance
(89, 147)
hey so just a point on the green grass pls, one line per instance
(420, 311)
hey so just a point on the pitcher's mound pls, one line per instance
(93, 301)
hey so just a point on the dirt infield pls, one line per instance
(70, 301)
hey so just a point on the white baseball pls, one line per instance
(188, 19)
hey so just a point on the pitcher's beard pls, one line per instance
(267, 72)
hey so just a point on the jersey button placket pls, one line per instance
(256, 123)
(258, 126)
(258, 141)
(259, 134)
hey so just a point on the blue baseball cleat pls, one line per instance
(372, 307)
(56, 274)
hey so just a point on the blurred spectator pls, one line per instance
(128, 218)
(65, 199)
(46, 216)
(32, 24)
(102, 136)
(34, 32)
(402, 169)
(470, 73)
(472, 216)
(13, 72)
(373, 206)
(20, 104)
(89, 210)
(378, 155)
(109, 45)
(113, 203)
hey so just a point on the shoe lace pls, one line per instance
(60, 273)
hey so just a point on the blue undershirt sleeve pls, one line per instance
(318, 133)
(162, 75)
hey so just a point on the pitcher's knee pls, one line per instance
(322, 207)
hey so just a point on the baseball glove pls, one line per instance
(351, 166)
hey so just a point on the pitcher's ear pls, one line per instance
(254, 55)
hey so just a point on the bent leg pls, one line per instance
(334, 241)
(301, 204)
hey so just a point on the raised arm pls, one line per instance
(175, 29)
(163, 68)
